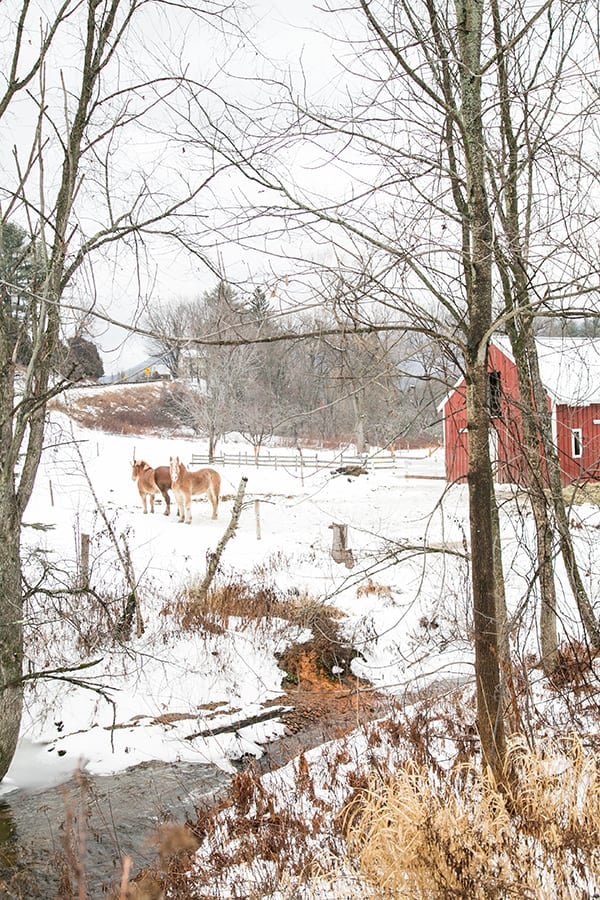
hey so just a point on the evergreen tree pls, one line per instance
(82, 360)
(259, 306)
(17, 290)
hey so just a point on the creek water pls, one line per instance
(98, 820)
(95, 822)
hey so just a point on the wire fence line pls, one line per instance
(310, 460)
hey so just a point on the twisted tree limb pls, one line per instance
(215, 557)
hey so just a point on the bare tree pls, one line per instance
(365, 374)
(169, 324)
(535, 96)
(427, 73)
(60, 187)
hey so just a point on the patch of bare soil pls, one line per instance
(326, 703)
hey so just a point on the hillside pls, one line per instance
(148, 408)
(144, 408)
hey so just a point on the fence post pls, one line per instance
(340, 552)
(257, 518)
(84, 562)
(51, 493)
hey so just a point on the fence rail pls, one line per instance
(310, 460)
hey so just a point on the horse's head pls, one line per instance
(138, 466)
(175, 467)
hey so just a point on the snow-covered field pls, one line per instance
(406, 611)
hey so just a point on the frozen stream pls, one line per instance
(102, 818)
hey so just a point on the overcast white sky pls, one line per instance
(279, 35)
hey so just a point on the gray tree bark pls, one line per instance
(11, 629)
(477, 264)
(543, 467)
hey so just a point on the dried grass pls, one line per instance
(197, 611)
(412, 830)
(131, 409)
(420, 835)
(585, 492)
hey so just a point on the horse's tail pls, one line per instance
(214, 490)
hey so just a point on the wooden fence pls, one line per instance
(306, 460)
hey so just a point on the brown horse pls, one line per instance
(152, 481)
(185, 484)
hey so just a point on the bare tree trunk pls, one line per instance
(212, 440)
(501, 612)
(537, 425)
(57, 245)
(490, 703)
(11, 630)
(477, 265)
(537, 471)
(543, 471)
(537, 479)
(586, 612)
(545, 542)
(359, 421)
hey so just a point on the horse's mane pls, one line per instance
(142, 464)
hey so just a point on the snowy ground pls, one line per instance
(406, 611)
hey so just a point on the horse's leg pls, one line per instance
(214, 499)
(143, 496)
(179, 501)
(167, 500)
(188, 507)
(151, 495)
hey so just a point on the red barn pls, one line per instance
(570, 371)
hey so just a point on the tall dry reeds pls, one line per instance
(423, 834)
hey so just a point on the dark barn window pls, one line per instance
(494, 395)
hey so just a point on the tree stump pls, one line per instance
(340, 551)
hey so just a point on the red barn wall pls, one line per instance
(509, 463)
(455, 435)
(587, 418)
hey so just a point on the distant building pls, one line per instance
(152, 369)
(570, 372)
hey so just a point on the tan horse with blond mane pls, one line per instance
(151, 482)
(186, 484)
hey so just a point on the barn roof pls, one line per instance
(569, 367)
